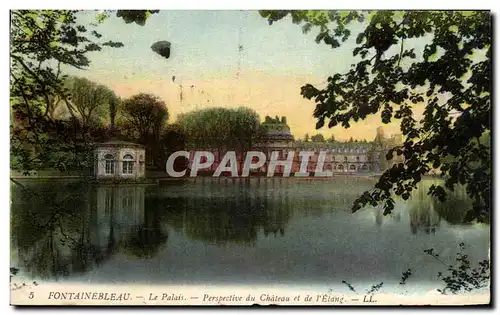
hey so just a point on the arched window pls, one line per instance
(128, 164)
(357, 158)
(109, 167)
(364, 167)
(340, 167)
(352, 167)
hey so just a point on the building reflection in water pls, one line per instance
(57, 238)
(119, 212)
(228, 211)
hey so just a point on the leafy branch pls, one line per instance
(456, 62)
(461, 276)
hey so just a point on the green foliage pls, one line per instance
(454, 208)
(405, 276)
(42, 41)
(461, 276)
(52, 228)
(90, 99)
(427, 209)
(351, 288)
(374, 288)
(142, 119)
(113, 105)
(173, 138)
(221, 127)
(135, 16)
(145, 114)
(450, 77)
(318, 138)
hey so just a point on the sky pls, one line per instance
(211, 71)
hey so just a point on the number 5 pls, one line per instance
(31, 295)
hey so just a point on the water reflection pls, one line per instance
(380, 217)
(57, 236)
(426, 212)
(424, 218)
(228, 212)
(61, 229)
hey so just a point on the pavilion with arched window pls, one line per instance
(119, 160)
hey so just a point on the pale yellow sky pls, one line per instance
(267, 94)
(210, 47)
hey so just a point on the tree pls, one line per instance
(135, 16)
(306, 137)
(113, 104)
(90, 99)
(41, 42)
(173, 139)
(318, 138)
(450, 77)
(143, 118)
(146, 115)
(221, 127)
(331, 139)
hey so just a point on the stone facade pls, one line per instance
(340, 157)
(119, 160)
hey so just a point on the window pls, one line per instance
(109, 167)
(345, 158)
(128, 164)
(357, 158)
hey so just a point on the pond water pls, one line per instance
(223, 231)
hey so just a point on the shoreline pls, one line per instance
(157, 176)
(156, 179)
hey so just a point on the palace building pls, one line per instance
(339, 157)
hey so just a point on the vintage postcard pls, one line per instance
(239, 157)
